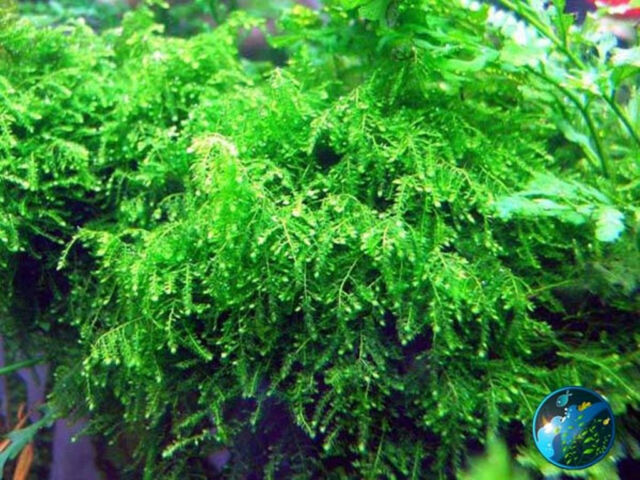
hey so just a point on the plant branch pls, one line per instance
(562, 45)
(604, 161)
(18, 365)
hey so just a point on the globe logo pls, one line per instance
(573, 428)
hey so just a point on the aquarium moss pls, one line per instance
(362, 263)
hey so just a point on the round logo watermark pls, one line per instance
(573, 428)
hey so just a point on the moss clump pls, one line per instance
(347, 266)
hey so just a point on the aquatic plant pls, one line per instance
(362, 263)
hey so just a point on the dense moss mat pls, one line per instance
(364, 263)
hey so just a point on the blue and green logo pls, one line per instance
(574, 428)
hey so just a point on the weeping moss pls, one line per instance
(347, 266)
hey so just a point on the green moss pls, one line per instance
(358, 241)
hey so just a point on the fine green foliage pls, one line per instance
(399, 242)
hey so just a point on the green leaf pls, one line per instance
(609, 224)
(496, 463)
(20, 438)
(574, 135)
(18, 365)
(375, 10)
(626, 56)
(571, 202)
(474, 65)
